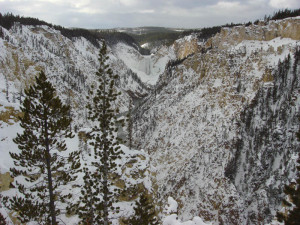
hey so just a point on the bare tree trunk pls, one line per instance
(105, 194)
(130, 124)
(105, 161)
(50, 186)
(7, 86)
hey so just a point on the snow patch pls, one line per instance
(172, 219)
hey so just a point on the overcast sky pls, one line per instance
(135, 13)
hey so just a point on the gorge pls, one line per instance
(214, 120)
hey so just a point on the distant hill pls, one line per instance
(152, 35)
(149, 30)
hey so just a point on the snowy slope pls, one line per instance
(69, 64)
(267, 149)
(135, 169)
(191, 126)
(128, 176)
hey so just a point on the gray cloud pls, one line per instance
(132, 13)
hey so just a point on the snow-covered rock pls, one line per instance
(172, 217)
(186, 46)
(200, 115)
(69, 64)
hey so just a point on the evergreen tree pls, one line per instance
(97, 195)
(1, 33)
(129, 125)
(144, 212)
(41, 159)
(2, 220)
(293, 192)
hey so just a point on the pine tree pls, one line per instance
(96, 196)
(144, 212)
(7, 86)
(129, 125)
(41, 159)
(1, 33)
(2, 220)
(293, 192)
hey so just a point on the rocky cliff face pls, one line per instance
(186, 46)
(208, 126)
(287, 28)
(267, 147)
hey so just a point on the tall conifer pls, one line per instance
(144, 212)
(97, 195)
(129, 124)
(2, 218)
(293, 192)
(41, 159)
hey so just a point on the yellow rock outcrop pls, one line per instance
(186, 46)
(287, 28)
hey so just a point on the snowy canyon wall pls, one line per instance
(70, 64)
(219, 125)
(267, 147)
(196, 127)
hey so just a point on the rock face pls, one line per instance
(287, 28)
(266, 151)
(186, 46)
(214, 138)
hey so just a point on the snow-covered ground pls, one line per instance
(126, 173)
(70, 65)
(192, 127)
(171, 217)
(9, 130)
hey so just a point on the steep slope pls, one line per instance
(266, 151)
(69, 64)
(131, 178)
(192, 124)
